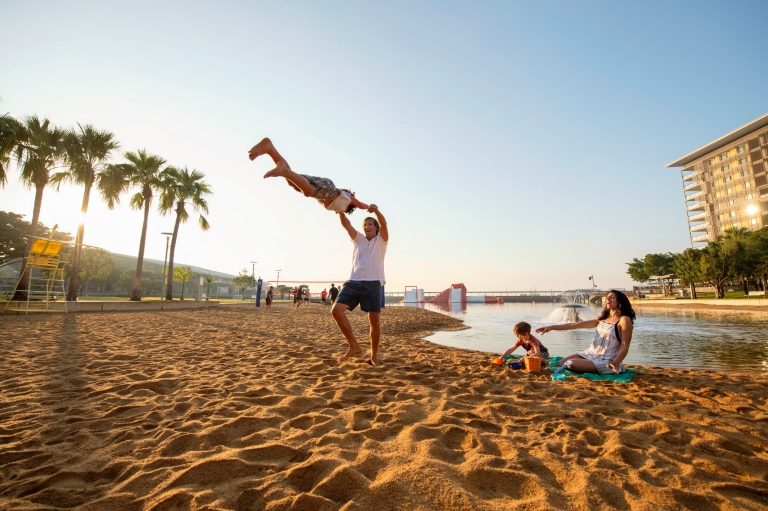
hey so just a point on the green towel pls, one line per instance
(625, 377)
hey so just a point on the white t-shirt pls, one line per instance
(368, 258)
(340, 203)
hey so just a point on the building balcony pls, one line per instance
(695, 185)
(703, 237)
(696, 195)
(699, 227)
(697, 216)
(696, 206)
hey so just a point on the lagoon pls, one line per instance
(731, 341)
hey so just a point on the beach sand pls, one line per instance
(234, 408)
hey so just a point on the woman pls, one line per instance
(612, 337)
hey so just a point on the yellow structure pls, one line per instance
(45, 267)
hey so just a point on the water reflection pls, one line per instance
(717, 340)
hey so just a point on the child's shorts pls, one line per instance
(325, 188)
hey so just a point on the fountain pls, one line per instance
(571, 311)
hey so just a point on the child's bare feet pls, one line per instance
(263, 147)
(279, 170)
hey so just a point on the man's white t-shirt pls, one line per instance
(368, 258)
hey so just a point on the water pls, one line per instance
(715, 340)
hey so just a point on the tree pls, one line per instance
(641, 270)
(759, 251)
(38, 149)
(13, 236)
(742, 266)
(243, 281)
(87, 152)
(715, 266)
(95, 263)
(183, 275)
(209, 279)
(687, 267)
(10, 135)
(182, 188)
(143, 172)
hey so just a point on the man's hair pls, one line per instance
(522, 328)
(375, 222)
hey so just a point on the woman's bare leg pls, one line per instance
(579, 364)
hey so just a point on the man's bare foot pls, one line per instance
(374, 363)
(350, 352)
(278, 171)
(262, 147)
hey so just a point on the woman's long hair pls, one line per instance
(625, 307)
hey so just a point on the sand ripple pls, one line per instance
(232, 408)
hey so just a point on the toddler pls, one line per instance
(524, 338)
(335, 199)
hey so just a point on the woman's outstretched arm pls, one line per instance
(590, 323)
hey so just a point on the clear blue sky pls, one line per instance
(509, 144)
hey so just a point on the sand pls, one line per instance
(232, 408)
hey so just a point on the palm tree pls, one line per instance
(180, 189)
(209, 279)
(142, 171)
(183, 275)
(39, 148)
(10, 133)
(87, 153)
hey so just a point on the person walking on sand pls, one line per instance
(334, 292)
(364, 285)
(323, 296)
(299, 299)
(270, 294)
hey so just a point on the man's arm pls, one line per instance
(348, 226)
(383, 231)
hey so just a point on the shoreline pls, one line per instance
(232, 408)
(701, 307)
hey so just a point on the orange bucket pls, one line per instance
(532, 364)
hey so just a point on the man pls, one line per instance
(323, 296)
(334, 292)
(365, 281)
(299, 299)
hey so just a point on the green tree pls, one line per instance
(181, 189)
(87, 151)
(716, 266)
(95, 264)
(759, 251)
(11, 132)
(641, 270)
(736, 242)
(687, 267)
(209, 279)
(183, 275)
(243, 281)
(38, 150)
(143, 172)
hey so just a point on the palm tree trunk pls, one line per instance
(136, 294)
(23, 287)
(183, 283)
(74, 267)
(169, 289)
(693, 290)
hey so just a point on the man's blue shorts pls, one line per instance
(367, 293)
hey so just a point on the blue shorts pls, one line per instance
(367, 293)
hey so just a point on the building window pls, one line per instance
(729, 190)
(726, 167)
(742, 161)
(733, 213)
(740, 149)
(726, 179)
(749, 196)
(753, 221)
(711, 161)
(748, 185)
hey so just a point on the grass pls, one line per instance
(730, 295)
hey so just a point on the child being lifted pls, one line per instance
(340, 200)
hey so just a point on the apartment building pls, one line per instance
(724, 183)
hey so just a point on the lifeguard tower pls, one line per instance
(45, 267)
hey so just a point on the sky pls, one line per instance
(510, 145)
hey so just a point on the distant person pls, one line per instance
(270, 293)
(334, 292)
(532, 345)
(323, 296)
(364, 285)
(299, 297)
(295, 292)
(611, 341)
(335, 199)
(307, 296)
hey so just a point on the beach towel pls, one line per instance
(625, 377)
